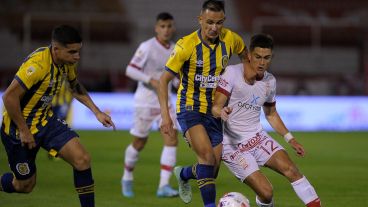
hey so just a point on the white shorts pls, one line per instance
(245, 158)
(144, 118)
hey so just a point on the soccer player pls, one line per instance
(248, 88)
(29, 122)
(198, 60)
(146, 67)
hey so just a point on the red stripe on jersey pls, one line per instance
(166, 167)
(135, 66)
(315, 203)
(128, 168)
(269, 104)
(223, 91)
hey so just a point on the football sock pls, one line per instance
(260, 204)
(6, 183)
(168, 160)
(84, 185)
(206, 184)
(305, 190)
(315, 203)
(189, 172)
(131, 157)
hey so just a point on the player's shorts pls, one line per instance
(144, 118)
(21, 160)
(245, 158)
(213, 126)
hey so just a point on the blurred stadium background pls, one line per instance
(321, 64)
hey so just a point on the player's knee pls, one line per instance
(172, 141)
(83, 162)
(207, 157)
(139, 143)
(266, 194)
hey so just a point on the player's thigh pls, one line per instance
(75, 154)
(143, 120)
(281, 163)
(201, 144)
(21, 160)
(240, 163)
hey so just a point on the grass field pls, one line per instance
(336, 164)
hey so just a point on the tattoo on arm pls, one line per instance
(79, 88)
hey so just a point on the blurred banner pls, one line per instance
(300, 113)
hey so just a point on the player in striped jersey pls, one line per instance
(198, 60)
(29, 122)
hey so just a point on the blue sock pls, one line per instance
(7, 182)
(206, 184)
(188, 172)
(84, 185)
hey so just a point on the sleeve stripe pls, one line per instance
(171, 71)
(135, 66)
(269, 104)
(223, 91)
(20, 82)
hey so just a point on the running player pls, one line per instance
(198, 60)
(29, 122)
(248, 88)
(146, 67)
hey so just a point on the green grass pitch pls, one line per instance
(336, 164)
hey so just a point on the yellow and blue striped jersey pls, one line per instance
(64, 96)
(199, 66)
(41, 79)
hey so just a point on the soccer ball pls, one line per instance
(233, 199)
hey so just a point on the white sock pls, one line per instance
(304, 190)
(131, 157)
(168, 161)
(260, 204)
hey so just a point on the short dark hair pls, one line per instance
(262, 41)
(66, 34)
(214, 5)
(164, 16)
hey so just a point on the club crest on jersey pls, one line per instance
(23, 168)
(224, 61)
(30, 70)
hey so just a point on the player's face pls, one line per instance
(211, 24)
(69, 54)
(165, 30)
(260, 60)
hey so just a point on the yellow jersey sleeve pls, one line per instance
(72, 73)
(179, 55)
(30, 73)
(239, 44)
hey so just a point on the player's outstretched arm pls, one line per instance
(81, 94)
(218, 109)
(11, 99)
(278, 125)
(163, 97)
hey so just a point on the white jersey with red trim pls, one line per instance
(150, 58)
(246, 101)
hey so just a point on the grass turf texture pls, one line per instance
(336, 164)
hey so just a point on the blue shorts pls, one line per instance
(212, 125)
(21, 160)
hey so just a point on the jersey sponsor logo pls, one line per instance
(254, 141)
(22, 168)
(224, 61)
(30, 70)
(248, 106)
(209, 81)
(199, 64)
(46, 100)
(255, 98)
